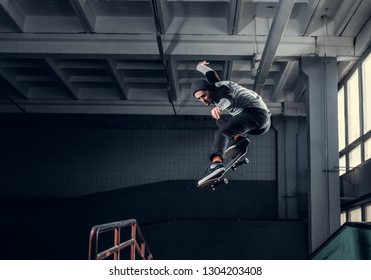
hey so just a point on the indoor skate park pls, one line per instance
(102, 143)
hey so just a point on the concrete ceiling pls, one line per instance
(139, 57)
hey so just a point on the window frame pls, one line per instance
(364, 136)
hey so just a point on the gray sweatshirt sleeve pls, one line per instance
(203, 68)
(224, 103)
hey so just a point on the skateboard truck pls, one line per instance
(224, 180)
(233, 164)
(237, 164)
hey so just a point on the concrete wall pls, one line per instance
(177, 220)
(60, 177)
(63, 161)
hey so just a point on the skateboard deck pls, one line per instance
(232, 164)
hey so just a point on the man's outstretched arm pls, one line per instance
(209, 73)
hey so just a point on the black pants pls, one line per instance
(253, 121)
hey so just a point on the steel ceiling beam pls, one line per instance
(363, 39)
(317, 7)
(82, 13)
(53, 68)
(12, 80)
(344, 15)
(279, 88)
(111, 67)
(145, 46)
(234, 18)
(12, 15)
(279, 23)
(79, 45)
(167, 63)
(127, 107)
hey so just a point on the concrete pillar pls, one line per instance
(287, 168)
(323, 156)
(292, 171)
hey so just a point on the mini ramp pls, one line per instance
(352, 241)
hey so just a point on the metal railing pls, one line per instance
(137, 243)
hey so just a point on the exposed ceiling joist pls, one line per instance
(300, 87)
(190, 47)
(316, 10)
(363, 39)
(12, 15)
(171, 89)
(80, 45)
(83, 15)
(111, 67)
(54, 68)
(127, 51)
(279, 23)
(279, 88)
(344, 15)
(12, 80)
(128, 107)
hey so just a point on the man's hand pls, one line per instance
(216, 112)
(204, 62)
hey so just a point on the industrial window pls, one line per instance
(366, 84)
(355, 215)
(354, 116)
(342, 165)
(353, 108)
(368, 212)
(343, 218)
(368, 149)
(355, 157)
(341, 118)
(354, 128)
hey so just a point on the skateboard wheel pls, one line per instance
(225, 181)
(234, 168)
(247, 160)
(212, 188)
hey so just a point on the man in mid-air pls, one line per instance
(248, 115)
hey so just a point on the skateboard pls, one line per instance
(232, 164)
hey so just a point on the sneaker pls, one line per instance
(239, 145)
(215, 170)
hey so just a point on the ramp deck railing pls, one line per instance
(136, 242)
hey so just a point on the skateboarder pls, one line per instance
(248, 115)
